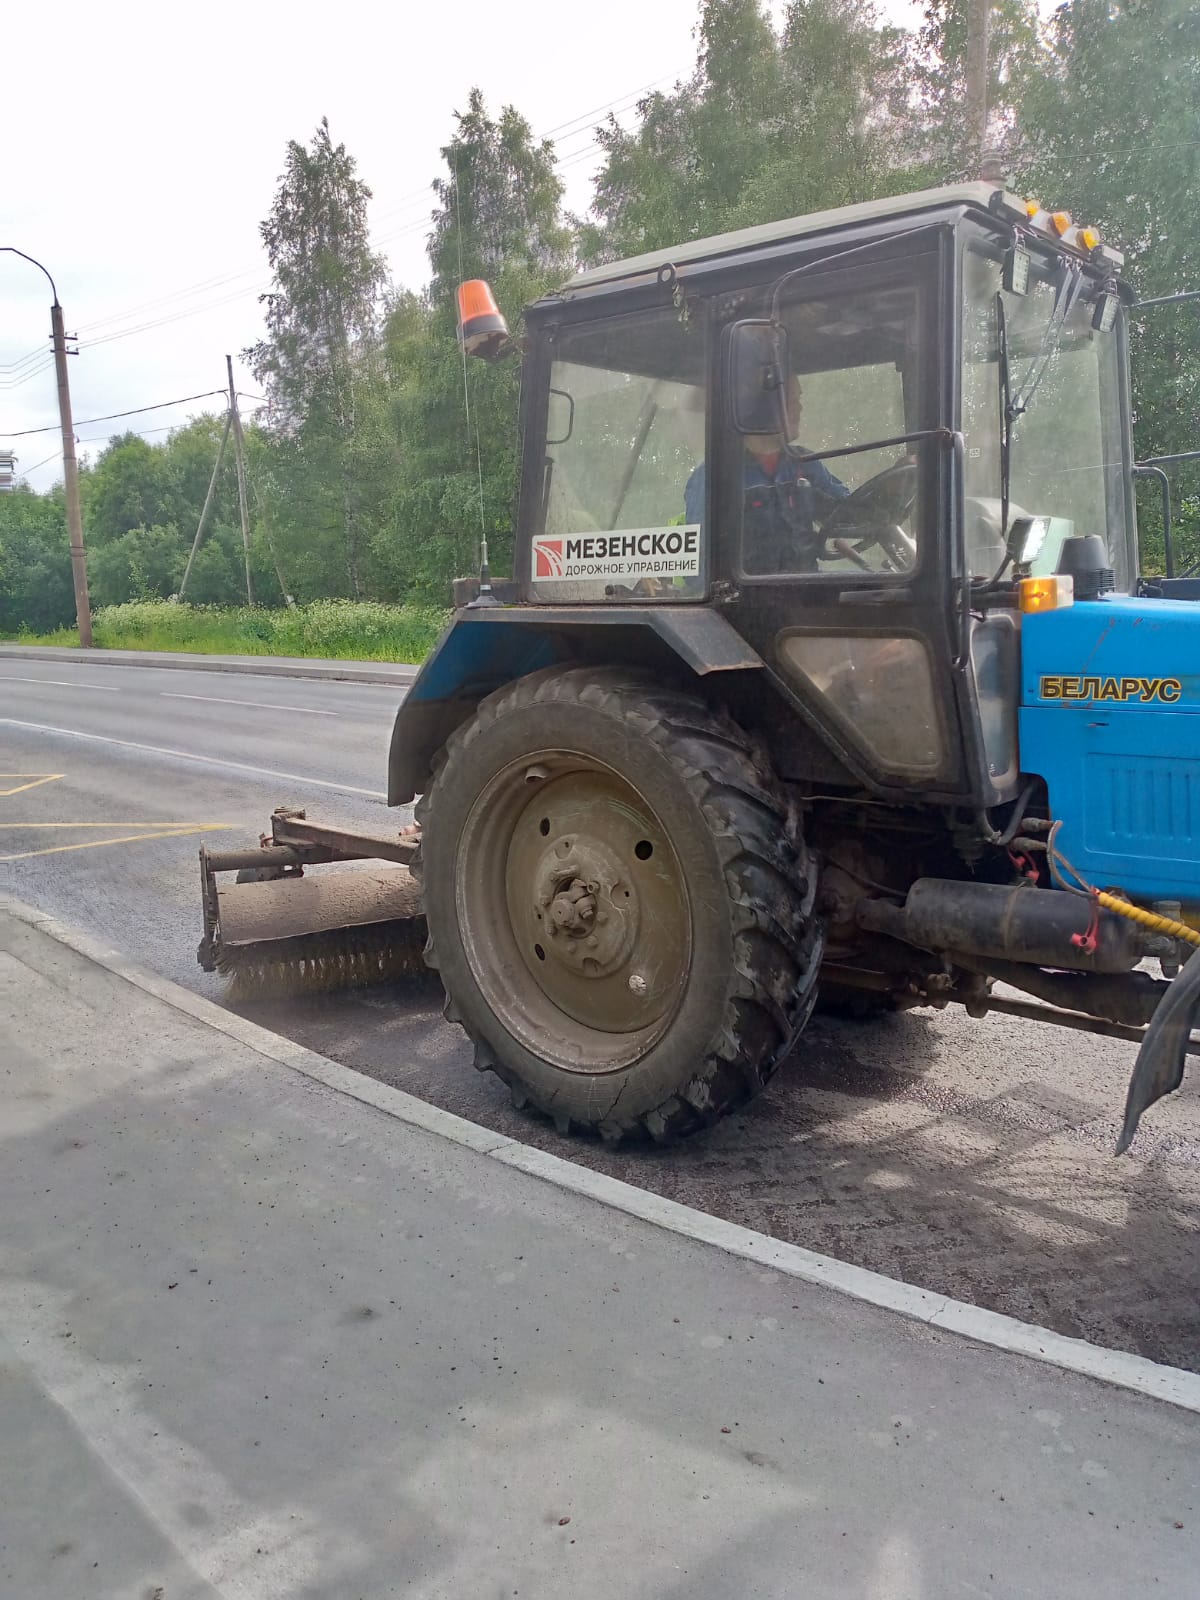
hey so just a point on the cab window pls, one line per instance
(853, 381)
(625, 428)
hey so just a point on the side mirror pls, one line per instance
(757, 362)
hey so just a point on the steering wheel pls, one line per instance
(872, 515)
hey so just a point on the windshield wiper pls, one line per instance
(1068, 293)
(1006, 421)
(1014, 405)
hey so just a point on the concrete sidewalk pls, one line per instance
(260, 666)
(270, 1329)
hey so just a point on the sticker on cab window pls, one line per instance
(629, 554)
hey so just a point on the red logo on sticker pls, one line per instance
(548, 558)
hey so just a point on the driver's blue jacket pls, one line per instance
(782, 506)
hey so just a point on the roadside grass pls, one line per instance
(340, 630)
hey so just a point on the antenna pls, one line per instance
(485, 596)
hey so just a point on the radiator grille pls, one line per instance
(1143, 806)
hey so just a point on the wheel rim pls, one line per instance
(573, 912)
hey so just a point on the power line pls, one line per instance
(426, 223)
(23, 361)
(178, 316)
(103, 438)
(619, 104)
(568, 128)
(56, 456)
(178, 294)
(115, 416)
(570, 157)
(34, 372)
(138, 433)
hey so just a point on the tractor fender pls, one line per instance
(485, 647)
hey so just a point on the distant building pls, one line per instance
(8, 471)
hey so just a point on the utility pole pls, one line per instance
(233, 424)
(83, 609)
(241, 478)
(207, 507)
(239, 439)
(977, 80)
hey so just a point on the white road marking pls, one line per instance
(246, 1553)
(186, 755)
(260, 705)
(59, 683)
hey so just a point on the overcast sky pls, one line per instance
(143, 143)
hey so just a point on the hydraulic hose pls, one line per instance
(1147, 919)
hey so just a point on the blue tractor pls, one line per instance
(826, 675)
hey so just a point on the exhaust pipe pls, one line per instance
(1041, 927)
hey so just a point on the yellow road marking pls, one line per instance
(130, 838)
(124, 824)
(35, 778)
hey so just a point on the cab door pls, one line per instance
(840, 568)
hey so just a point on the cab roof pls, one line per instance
(979, 195)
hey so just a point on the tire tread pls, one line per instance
(769, 876)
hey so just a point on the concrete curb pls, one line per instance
(1115, 1367)
(398, 675)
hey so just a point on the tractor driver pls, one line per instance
(780, 497)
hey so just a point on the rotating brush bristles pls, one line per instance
(321, 963)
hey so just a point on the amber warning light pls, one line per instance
(481, 328)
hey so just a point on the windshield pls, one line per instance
(1068, 449)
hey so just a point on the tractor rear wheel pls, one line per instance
(620, 904)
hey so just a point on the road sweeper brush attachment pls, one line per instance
(276, 931)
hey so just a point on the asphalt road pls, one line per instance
(970, 1158)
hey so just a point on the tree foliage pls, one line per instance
(327, 283)
(769, 125)
(322, 322)
(1016, 56)
(1110, 132)
(498, 216)
(35, 563)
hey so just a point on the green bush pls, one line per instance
(342, 630)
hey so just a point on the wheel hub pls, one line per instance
(588, 903)
(565, 866)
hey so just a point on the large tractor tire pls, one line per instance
(620, 904)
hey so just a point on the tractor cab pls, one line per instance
(827, 430)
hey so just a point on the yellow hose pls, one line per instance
(1147, 919)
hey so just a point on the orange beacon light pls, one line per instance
(481, 329)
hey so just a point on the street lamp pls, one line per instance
(83, 610)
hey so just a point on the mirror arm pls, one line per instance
(945, 436)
